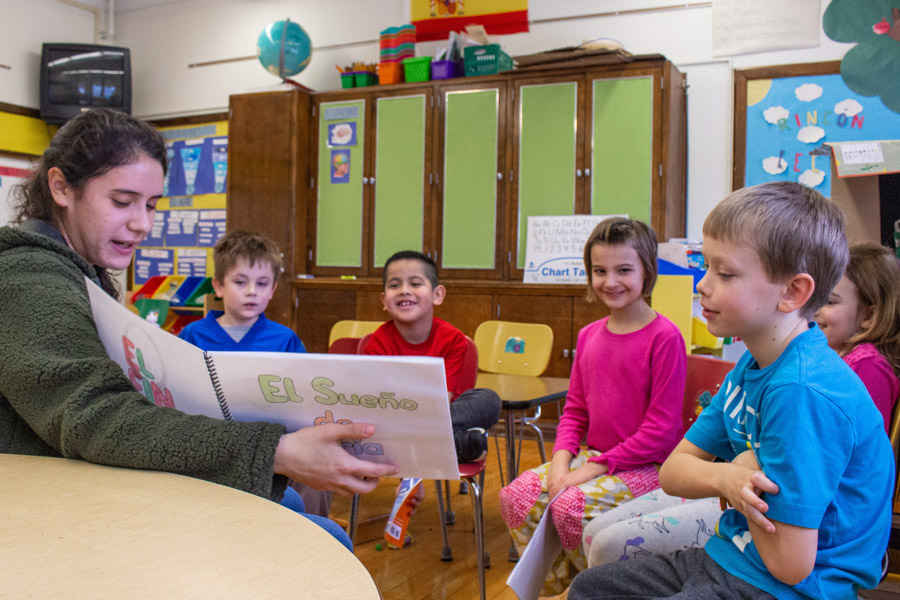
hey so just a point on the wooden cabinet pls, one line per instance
(269, 160)
(624, 154)
(454, 168)
(471, 179)
(372, 178)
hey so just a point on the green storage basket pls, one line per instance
(364, 79)
(486, 60)
(417, 69)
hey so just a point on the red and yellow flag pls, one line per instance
(435, 19)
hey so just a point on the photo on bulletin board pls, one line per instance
(341, 134)
(196, 166)
(340, 166)
(784, 114)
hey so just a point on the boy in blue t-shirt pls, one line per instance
(247, 266)
(811, 471)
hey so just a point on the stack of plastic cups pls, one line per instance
(397, 43)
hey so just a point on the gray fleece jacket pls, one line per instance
(61, 395)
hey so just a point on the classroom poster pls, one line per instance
(743, 26)
(341, 134)
(554, 252)
(12, 172)
(197, 166)
(190, 218)
(192, 262)
(788, 118)
(340, 166)
(152, 262)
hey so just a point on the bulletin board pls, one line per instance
(12, 172)
(190, 219)
(783, 113)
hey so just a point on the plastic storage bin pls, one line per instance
(486, 60)
(447, 69)
(363, 79)
(417, 69)
(347, 80)
(390, 72)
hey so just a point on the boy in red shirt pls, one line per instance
(411, 291)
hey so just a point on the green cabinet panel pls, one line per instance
(622, 147)
(548, 121)
(399, 175)
(339, 204)
(471, 124)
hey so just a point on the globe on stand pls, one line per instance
(284, 49)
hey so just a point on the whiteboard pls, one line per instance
(7, 181)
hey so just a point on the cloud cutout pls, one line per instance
(810, 134)
(849, 107)
(773, 114)
(808, 92)
(811, 177)
(774, 165)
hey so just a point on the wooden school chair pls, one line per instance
(471, 473)
(514, 348)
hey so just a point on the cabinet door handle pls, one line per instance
(577, 172)
(499, 176)
(565, 353)
(365, 180)
(371, 181)
(587, 172)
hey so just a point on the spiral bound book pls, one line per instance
(404, 397)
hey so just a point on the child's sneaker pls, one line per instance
(471, 445)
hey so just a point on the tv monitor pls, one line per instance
(78, 77)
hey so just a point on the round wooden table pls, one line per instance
(73, 529)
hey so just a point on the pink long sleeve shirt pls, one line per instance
(625, 393)
(878, 377)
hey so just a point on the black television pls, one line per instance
(78, 77)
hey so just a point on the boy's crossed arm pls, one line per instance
(788, 551)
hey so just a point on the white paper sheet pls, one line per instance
(527, 578)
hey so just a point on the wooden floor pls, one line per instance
(416, 572)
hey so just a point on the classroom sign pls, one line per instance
(554, 251)
(789, 118)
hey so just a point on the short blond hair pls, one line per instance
(255, 248)
(794, 229)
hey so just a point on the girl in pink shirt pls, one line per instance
(624, 400)
(862, 322)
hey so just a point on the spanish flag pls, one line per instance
(435, 19)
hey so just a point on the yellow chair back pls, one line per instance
(673, 297)
(352, 329)
(513, 348)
